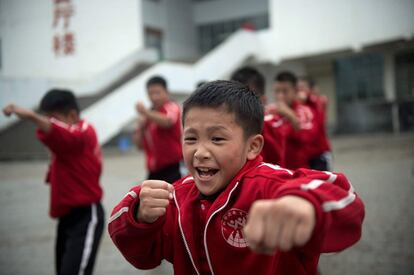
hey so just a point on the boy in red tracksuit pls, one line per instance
(320, 153)
(299, 141)
(159, 132)
(276, 123)
(73, 176)
(235, 214)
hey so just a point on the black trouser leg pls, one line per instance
(79, 234)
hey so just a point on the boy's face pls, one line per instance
(303, 85)
(158, 95)
(284, 91)
(214, 147)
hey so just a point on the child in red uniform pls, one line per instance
(275, 123)
(320, 152)
(235, 214)
(299, 141)
(159, 132)
(73, 176)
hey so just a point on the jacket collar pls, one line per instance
(182, 193)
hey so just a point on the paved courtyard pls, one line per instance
(381, 168)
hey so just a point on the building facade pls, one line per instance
(360, 53)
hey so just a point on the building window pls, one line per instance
(360, 78)
(211, 35)
(153, 39)
(404, 74)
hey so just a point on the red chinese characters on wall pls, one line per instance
(64, 43)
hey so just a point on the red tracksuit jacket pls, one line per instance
(300, 142)
(318, 105)
(75, 166)
(163, 145)
(180, 238)
(274, 133)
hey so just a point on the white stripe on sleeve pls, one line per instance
(332, 176)
(132, 194)
(275, 167)
(312, 185)
(59, 123)
(118, 214)
(337, 205)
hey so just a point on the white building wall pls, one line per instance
(225, 10)
(104, 31)
(302, 28)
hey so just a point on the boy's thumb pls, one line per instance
(170, 188)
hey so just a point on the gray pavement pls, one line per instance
(381, 168)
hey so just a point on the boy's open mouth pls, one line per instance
(206, 172)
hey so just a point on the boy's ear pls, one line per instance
(255, 145)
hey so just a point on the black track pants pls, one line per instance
(78, 237)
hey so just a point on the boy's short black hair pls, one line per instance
(251, 77)
(200, 83)
(287, 76)
(157, 80)
(233, 96)
(60, 101)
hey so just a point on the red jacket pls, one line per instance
(274, 134)
(176, 235)
(75, 166)
(319, 104)
(163, 145)
(299, 142)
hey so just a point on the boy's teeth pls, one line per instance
(206, 171)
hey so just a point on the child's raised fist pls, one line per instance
(8, 110)
(20, 112)
(154, 198)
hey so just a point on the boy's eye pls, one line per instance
(217, 139)
(189, 139)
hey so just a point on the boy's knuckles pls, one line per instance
(285, 243)
(153, 193)
(302, 235)
(253, 237)
(144, 193)
(158, 212)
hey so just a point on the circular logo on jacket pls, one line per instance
(232, 224)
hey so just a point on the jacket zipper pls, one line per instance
(183, 236)
(208, 221)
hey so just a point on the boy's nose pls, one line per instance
(202, 153)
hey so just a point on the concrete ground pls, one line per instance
(381, 168)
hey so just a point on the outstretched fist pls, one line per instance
(9, 110)
(279, 224)
(140, 108)
(14, 109)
